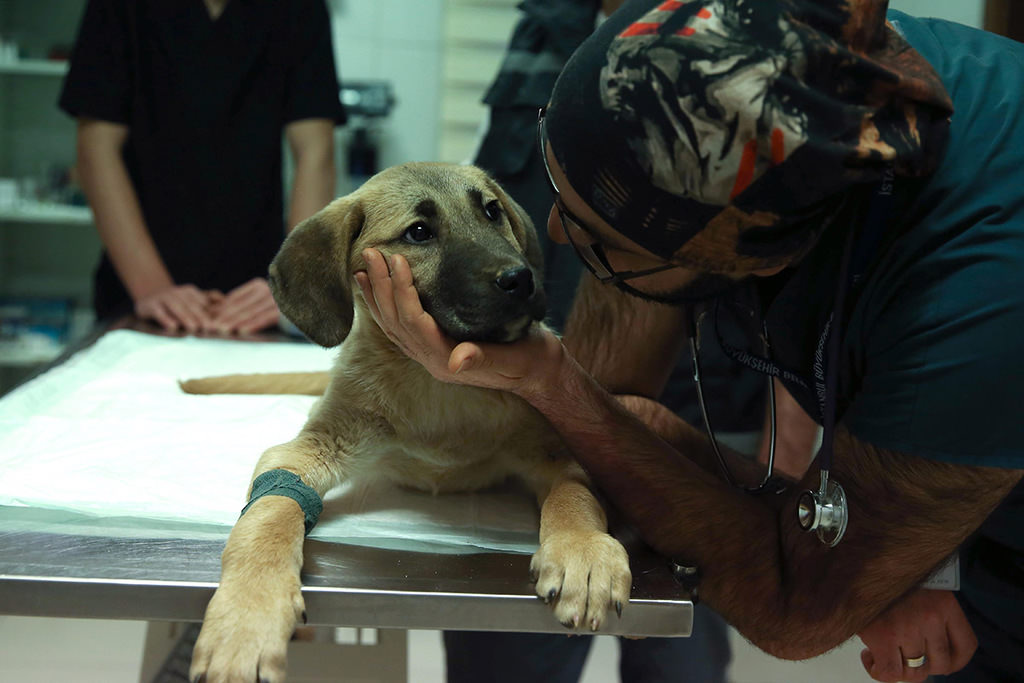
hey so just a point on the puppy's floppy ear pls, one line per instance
(310, 276)
(522, 227)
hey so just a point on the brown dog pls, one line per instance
(476, 264)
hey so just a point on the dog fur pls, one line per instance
(382, 416)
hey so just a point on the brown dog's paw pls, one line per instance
(245, 634)
(584, 574)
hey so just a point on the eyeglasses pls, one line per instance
(591, 254)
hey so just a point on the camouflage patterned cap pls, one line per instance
(724, 134)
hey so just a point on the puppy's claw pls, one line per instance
(551, 595)
(594, 624)
(304, 620)
(618, 608)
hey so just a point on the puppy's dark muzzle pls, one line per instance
(485, 292)
(516, 282)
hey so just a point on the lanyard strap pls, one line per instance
(827, 378)
(766, 366)
(856, 256)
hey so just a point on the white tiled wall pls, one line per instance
(440, 55)
(398, 41)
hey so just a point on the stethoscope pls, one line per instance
(823, 511)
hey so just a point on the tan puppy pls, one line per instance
(477, 266)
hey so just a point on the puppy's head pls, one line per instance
(474, 255)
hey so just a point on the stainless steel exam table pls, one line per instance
(60, 564)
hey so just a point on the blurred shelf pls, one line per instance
(35, 67)
(33, 348)
(38, 212)
(13, 355)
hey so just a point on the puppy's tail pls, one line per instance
(309, 383)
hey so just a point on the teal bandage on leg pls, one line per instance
(290, 485)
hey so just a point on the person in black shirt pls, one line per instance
(181, 108)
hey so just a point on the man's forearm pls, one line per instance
(693, 442)
(781, 588)
(119, 220)
(311, 142)
(312, 190)
(680, 509)
(665, 479)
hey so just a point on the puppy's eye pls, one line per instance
(417, 233)
(492, 210)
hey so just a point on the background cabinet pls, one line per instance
(47, 245)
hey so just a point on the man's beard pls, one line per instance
(704, 287)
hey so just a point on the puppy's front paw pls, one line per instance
(246, 630)
(583, 574)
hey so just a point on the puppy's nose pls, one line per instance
(516, 281)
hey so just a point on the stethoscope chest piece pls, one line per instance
(824, 511)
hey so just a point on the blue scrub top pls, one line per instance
(932, 361)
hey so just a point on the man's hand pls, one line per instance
(926, 622)
(246, 309)
(178, 307)
(395, 305)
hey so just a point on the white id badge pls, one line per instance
(946, 577)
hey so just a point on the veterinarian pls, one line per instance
(181, 108)
(865, 179)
